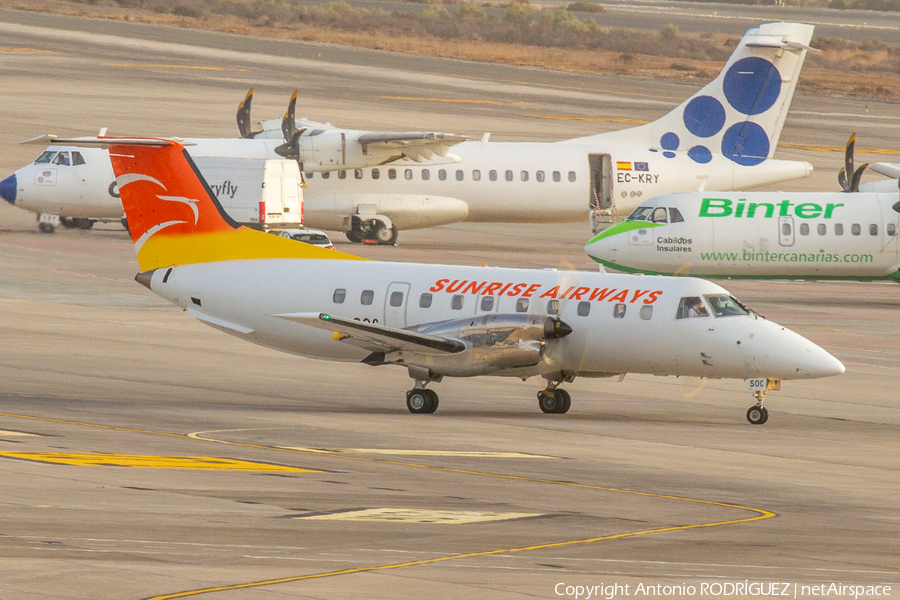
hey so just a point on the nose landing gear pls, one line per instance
(757, 415)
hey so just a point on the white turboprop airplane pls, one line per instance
(722, 138)
(819, 235)
(436, 320)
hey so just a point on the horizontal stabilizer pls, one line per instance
(377, 337)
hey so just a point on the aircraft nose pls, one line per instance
(819, 363)
(8, 189)
(799, 358)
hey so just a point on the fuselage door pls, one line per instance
(601, 181)
(786, 231)
(395, 304)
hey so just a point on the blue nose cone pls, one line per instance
(8, 189)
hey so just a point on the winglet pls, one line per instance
(175, 219)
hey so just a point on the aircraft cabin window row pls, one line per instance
(425, 174)
(855, 229)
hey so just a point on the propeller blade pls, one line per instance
(291, 149)
(848, 153)
(288, 122)
(842, 179)
(243, 116)
(854, 185)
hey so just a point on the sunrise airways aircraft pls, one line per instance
(437, 320)
(370, 185)
(853, 234)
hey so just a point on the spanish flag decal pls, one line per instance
(623, 166)
(175, 219)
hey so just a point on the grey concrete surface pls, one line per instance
(92, 363)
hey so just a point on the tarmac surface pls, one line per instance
(144, 455)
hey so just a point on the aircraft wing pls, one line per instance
(375, 337)
(886, 169)
(414, 145)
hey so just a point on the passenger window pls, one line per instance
(539, 176)
(326, 174)
(392, 173)
(873, 229)
(891, 229)
(487, 303)
(459, 175)
(407, 174)
(508, 175)
(425, 300)
(442, 174)
(838, 229)
(584, 308)
(77, 159)
(62, 159)
(339, 295)
(855, 229)
(785, 229)
(553, 307)
(357, 173)
(572, 176)
(45, 157)
(524, 175)
(376, 173)
(366, 297)
(557, 177)
(820, 228)
(619, 311)
(804, 228)
(675, 216)
(646, 312)
(492, 175)
(659, 216)
(690, 307)
(396, 299)
(522, 305)
(342, 174)
(476, 175)
(456, 302)
(426, 174)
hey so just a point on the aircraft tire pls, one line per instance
(419, 401)
(125, 225)
(68, 223)
(385, 236)
(432, 401)
(354, 236)
(549, 401)
(566, 402)
(757, 415)
(46, 227)
(84, 223)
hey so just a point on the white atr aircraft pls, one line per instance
(721, 138)
(437, 320)
(851, 235)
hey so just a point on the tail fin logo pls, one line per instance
(126, 179)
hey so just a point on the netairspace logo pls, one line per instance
(721, 590)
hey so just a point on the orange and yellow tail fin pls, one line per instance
(174, 217)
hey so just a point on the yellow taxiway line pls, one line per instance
(414, 452)
(29, 50)
(759, 514)
(102, 459)
(456, 100)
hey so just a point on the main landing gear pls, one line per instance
(554, 400)
(373, 232)
(419, 400)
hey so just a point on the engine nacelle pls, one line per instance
(495, 343)
(405, 211)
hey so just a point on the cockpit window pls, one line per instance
(62, 159)
(690, 307)
(45, 157)
(640, 213)
(725, 306)
(659, 215)
(77, 159)
(675, 216)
